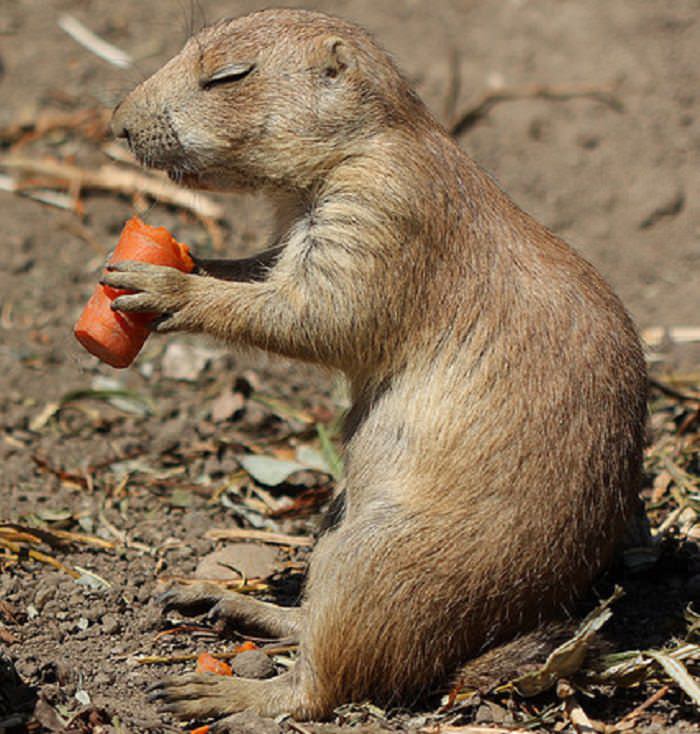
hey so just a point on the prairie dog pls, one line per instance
(494, 444)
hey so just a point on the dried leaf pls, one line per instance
(7, 637)
(48, 515)
(569, 656)
(49, 717)
(693, 620)
(186, 362)
(313, 459)
(43, 417)
(281, 408)
(268, 470)
(82, 697)
(632, 666)
(272, 471)
(68, 478)
(91, 580)
(662, 481)
(8, 612)
(679, 673)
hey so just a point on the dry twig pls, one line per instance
(672, 392)
(639, 710)
(92, 42)
(114, 178)
(92, 122)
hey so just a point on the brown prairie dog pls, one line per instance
(493, 448)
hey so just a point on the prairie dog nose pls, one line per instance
(118, 123)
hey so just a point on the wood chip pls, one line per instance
(7, 637)
(579, 719)
(294, 541)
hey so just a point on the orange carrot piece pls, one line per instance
(207, 663)
(200, 730)
(116, 338)
(247, 645)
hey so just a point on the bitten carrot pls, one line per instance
(207, 663)
(116, 338)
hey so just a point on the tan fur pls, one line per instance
(493, 447)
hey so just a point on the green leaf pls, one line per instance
(180, 498)
(330, 454)
(125, 400)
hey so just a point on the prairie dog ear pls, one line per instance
(337, 56)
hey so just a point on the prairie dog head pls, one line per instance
(273, 98)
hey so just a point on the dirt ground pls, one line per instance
(146, 458)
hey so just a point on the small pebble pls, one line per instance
(253, 664)
(95, 612)
(50, 693)
(76, 600)
(110, 624)
(43, 595)
(27, 669)
(65, 672)
(147, 723)
(151, 618)
(483, 715)
(248, 721)
(69, 626)
(103, 679)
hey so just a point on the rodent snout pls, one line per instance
(149, 134)
(118, 124)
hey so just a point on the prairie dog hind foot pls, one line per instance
(200, 696)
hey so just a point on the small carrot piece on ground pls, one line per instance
(207, 663)
(200, 730)
(247, 645)
(116, 338)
